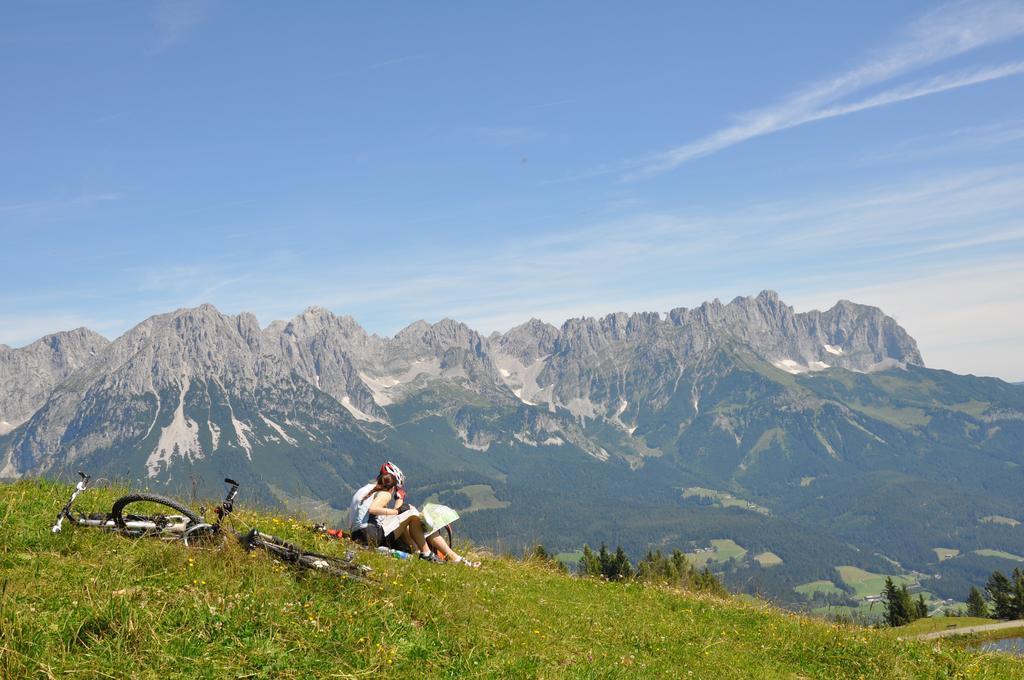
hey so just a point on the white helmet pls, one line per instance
(393, 470)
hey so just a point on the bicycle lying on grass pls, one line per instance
(146, 514)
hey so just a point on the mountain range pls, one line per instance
(819, 438)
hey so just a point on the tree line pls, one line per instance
(1003, 597)
(900, 608)
(673, 570)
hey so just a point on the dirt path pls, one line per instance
(967, 630)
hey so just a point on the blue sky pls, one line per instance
(494, 163)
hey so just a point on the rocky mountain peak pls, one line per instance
(28, 374)
(528, 341)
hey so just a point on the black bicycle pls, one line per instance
(148, 514)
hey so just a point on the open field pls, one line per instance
(723, 499)
(768, 559)
(866, 583)
(935, 624)
(723, 549)
(481, 497)
(822, 586)
(999, 553)
(999, 519)
(945, 553)
(236, 614)
(95, 604)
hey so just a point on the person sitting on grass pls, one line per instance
(434, 539)
(409, 535)
(370, 503)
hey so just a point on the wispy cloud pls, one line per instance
(942, 34)
(175, 20)
(657, 261)
(23, 329)
(50, 205)
(959, 140)
(897, 245)
(968, 318)
(396, 61)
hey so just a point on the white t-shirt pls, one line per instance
(359, 511)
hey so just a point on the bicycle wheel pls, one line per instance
(117, 512)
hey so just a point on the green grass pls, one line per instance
(999, 553)
(821, 586)
(723, 499)
(570, 559)
(866, 611)
(904, 418)
(999, 519)
(945, 553)
(768, 559)
(865, 583)
(724, 549)
(935, 624)
(92, 604)
(481, 497)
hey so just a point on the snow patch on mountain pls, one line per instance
(214, 433)
(156, 415)
(280, 430)
(387, 389)
(582, 408)
(358, 414)
(832, 349)
(885, 365)
(796, 368)
(478, 441)
(519, 395)
(240, 431)
(6, 427)
(180, 437)
(522, 379)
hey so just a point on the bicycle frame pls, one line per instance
(178, 525)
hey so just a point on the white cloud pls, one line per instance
(967, 320)
(21, 330)
(941, 252)
(940, 35)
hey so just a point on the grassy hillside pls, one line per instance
(100, 605)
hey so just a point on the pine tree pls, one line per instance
(683, 569)
(622, 567)
(1017, 598)
(590, 564)
(604, 558)
(897, 604)
(1000, 591)
(921, 608)
(541, 554)
(976, 605)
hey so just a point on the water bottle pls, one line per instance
(384, 550)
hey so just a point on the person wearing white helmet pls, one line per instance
(370, 502)
(435, 540)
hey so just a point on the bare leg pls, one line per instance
(402, 535)
(414, 529)
(440, 545)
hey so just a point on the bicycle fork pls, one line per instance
(66, 510)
